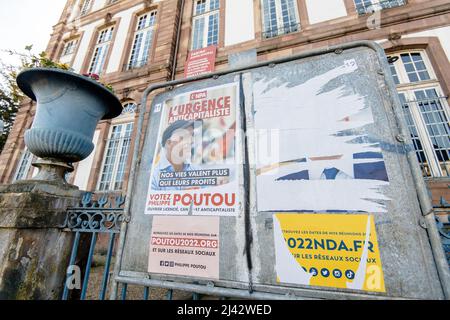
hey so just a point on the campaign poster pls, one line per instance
(328, 250)
(200, 61)
(195, 168)
(186, 246)
(315, 151)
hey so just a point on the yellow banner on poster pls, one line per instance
(328, 250)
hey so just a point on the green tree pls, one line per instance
(9, 100)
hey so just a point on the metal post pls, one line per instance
(112, 237)
(146, 293)
(71, 263)
(124, 291)
(88, 266)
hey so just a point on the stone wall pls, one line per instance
(34, 248)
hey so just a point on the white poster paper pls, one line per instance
(323, 159)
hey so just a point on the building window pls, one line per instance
(426, 111)
(85, 7)
(68, 51)
(370, 6)
(415, 67)
(69, 47)
(279, 17)
(411, 68)
(421, 157)
(101, 50)
(205, 24)
(142, 42)
(24, 165)
(394, 73)
(117, 152)
(129, 109)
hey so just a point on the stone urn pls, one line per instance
(69, 107)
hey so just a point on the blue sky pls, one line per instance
(25, 22)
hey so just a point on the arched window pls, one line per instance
(129, 108)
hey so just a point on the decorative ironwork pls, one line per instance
(102, 215)
(129, 108)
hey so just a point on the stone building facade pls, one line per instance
(135, 43)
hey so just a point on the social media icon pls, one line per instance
(350, 274)
(337, 273)
(314, 272)
(325, 272)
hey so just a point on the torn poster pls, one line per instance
(323, 158)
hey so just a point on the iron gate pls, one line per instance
(92, 220)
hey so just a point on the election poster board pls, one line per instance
(195, 168)
(325, 171)
(328, 250)
(186, 246)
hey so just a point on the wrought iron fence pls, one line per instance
(94, 218)
(368, 6)
(285, 29)
(91, 220)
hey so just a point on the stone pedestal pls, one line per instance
(34, 249)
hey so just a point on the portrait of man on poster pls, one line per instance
(176, 152)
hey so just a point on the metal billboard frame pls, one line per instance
(427, 220)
